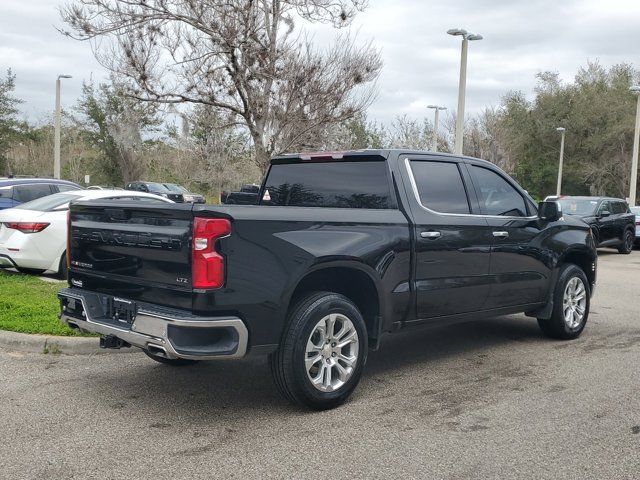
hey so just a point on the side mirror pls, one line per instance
(605, 213)
(549, 211)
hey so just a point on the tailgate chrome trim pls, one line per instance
(149, 329)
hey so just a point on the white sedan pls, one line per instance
(33, 236)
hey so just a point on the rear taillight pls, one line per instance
(27, 227)
(207, 268)
(68, 239)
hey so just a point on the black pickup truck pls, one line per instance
(342, 248)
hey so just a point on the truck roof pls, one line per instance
(345, 155)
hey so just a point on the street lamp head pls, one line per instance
(560, 129)
(64, 76)
(457, 31)
(436, 107)
(474, 36)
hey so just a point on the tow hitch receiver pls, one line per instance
(110, 341)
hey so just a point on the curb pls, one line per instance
(32, 343)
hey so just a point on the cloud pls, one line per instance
(421, 60)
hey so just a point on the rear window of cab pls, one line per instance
(341, 184)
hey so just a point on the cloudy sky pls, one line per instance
(521, 38)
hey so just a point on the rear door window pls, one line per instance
(497, 196)
(360, 184)
(619, 207)
(26, 193)
(440, 186)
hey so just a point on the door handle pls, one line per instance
(430, 235)
(501, 234)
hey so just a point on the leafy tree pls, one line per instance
(10, 127)
(597, 110)
(116, 125)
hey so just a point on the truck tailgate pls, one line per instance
(137, 251)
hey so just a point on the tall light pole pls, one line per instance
(562, 132)
(56, 138)
(462, 87)
(634, 157)
(437, 109)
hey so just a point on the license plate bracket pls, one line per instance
(124, 311)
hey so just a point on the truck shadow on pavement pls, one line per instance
(210, 391)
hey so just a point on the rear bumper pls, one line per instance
(165, 332)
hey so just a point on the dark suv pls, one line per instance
(14, 191)
(156, 189)
(611, 220)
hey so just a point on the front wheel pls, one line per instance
(570, 305)
(627, 243)
(322, 353)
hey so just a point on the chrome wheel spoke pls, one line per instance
(349, 361)
(311, 361)
(350, 338)
(327, 376)
(331, 324)
(343, 373)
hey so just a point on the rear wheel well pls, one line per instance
(354, 284)
(583, 261)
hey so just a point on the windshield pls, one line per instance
(175, 188)
(575, 206)
(157, 188)
(49, 202)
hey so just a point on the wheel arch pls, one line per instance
(582, 257)
(351, 279)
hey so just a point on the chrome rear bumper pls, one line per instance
(173, 335)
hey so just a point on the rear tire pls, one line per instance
(322, 353)
(62, 267)
(628, 240)
(571, 304)
(174, 362)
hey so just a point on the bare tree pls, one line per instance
(240, 56)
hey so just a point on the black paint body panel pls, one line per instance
(143, 253)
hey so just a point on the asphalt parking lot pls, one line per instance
(493, 399)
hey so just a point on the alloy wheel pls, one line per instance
(331, 353)
(574, 302)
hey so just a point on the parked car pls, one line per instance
(14, 191)
(636, 212)
(33, 236)
(156, 189)
(612, 222)
(187, 196)
(341, 249)
(248, 195)
(102, 187)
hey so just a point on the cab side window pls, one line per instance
(440, 186)
(496, 195)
